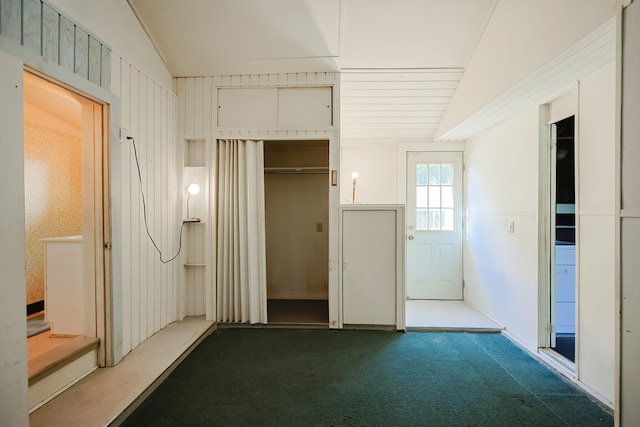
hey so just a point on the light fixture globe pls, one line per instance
(193, 189)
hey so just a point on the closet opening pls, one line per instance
(296, 190)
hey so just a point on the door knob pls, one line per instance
(410, 237)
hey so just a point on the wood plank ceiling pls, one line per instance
(401, 60)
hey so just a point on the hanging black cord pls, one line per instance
(144, 209)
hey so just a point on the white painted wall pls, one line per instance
(629, 388)
(382, 169)
(596, 231)
(521, 37)
(501, 268)
(13, 323)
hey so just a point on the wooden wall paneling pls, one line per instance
(150, 179)
(189, 129)
(198, 106)
(32, 25)
(50, 33)
(152, 207)
(105, 63)
(67, 43)
(148, 286)
(42, 29)
(175, 208)
(162, 169)
(124, 79)
(160, 195)
(197, 244)
(81, 53)
(94, 60)
(199, 128)
(199, 302)
(190, 272)
(11, 19)
(136, 223)
(210, 253)
(142, 234)
(180, 291)
(207, 108)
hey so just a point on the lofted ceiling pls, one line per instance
(401, 60)
(213, 37)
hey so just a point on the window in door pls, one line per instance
(434, 197)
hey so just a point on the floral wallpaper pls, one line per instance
(53, 195)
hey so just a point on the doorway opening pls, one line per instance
(64, 158)
(563, 237)
(296, 229)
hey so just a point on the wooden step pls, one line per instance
(55, 359)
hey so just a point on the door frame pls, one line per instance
(107, 240)
(96, 217)
(561, 107)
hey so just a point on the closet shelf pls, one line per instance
(194, 265)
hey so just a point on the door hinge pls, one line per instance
(463, 284)
(107, 245)
(550, 328)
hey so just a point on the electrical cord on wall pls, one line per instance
(144, 209)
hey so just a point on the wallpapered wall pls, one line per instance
(53, 195)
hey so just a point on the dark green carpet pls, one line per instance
(276, 377)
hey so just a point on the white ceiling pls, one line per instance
(213, 37)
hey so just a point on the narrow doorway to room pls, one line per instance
(563, 237)
(296, 228)
(63, 217)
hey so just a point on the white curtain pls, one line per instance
(241, 249)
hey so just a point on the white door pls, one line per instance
(434, 225)
(369, 267)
